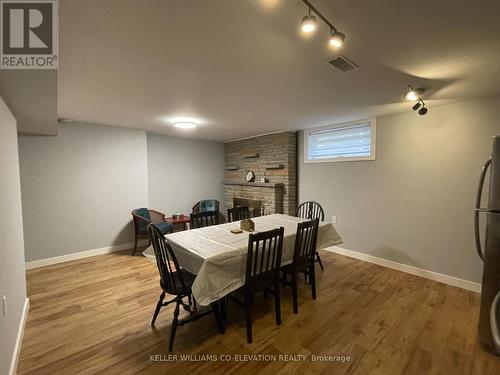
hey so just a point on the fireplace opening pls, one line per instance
(254, 205)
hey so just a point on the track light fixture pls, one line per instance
(309, 24)
(422, 111)
(420, 104)
(336, 39)
(414, 94)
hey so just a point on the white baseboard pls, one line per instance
(445, 279)
(19, 338)
(82, 254)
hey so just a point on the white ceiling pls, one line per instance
(244, 68)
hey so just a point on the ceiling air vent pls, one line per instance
(343, 63)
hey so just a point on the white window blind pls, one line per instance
(354, 141)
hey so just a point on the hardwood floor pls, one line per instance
(92, 316)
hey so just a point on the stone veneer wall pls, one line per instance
(273, 150)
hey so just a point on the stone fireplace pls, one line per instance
(273, 159)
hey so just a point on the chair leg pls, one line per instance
(318, 259)
(248, 315)
(158, 307)
(174, 326)
(135, 245)
(312, 278)
(277, 301)
(284, 279)
(294, 293)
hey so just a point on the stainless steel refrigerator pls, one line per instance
(489, 317)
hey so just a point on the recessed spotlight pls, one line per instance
(308, 23)
(185, 125)
(336, 39)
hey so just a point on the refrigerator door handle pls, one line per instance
(494, 321)
(478, 208)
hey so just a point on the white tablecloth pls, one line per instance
(218, 257)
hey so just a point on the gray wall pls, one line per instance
(183, 171)
(414, 204)
(78, 188)
(12, 276)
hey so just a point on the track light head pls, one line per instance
(416, 106)
(336, 39)
(422, 111)
(413, 94)
(308, 23)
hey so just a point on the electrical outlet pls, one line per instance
(334, 219)
(4, 305)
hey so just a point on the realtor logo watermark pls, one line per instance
(29, 34)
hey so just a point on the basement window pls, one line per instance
(353, 141)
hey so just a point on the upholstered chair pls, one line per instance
(142, 218)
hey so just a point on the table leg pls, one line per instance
(220, 314)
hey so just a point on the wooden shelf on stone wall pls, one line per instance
(251, 156)
(232, 167)
(274, 166)
(256, 184)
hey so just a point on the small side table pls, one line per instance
(181, 219)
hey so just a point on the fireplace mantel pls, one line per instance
(255, 184)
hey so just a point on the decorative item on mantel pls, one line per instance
(250, 176)
(247, 225)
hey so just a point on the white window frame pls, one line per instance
(373, 124)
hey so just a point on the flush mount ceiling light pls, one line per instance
(182, 122)
(185, 125)
(309, 24)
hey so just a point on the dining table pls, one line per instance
(217, 256)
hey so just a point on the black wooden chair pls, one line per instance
(262, 272)
(238, 213)
(312, 210)
(204, 219)
(174, 281)
(303, 259)
(144, 216)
